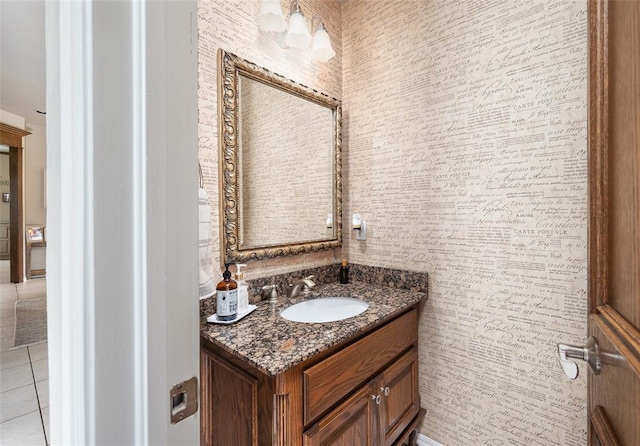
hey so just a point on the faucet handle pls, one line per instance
(270, 291)
(306, 288)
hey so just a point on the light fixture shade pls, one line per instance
(298, 35)
(321, 49)
(271, 18)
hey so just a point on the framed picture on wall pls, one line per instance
(35, 233)
(5, 197)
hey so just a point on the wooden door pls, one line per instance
(229, 406)
(400, 396)
(614, 220)
(354, 422)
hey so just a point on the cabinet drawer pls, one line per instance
(332, 379)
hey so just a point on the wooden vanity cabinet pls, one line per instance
(361, 392)
(377, 414)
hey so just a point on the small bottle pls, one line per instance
(243, 288)
(344, 272)
(227, 297)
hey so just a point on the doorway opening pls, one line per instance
(12, 138)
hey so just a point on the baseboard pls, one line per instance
(423, 440)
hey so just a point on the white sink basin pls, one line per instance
(324, 309)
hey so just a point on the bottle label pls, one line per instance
(243, 298)
(227, 303)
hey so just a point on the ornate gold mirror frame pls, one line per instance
(230, 69)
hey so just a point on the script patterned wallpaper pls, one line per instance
(232, 25)
(465, 138)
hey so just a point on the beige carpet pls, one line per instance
(31, 322)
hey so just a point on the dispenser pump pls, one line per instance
(243, 289)
(239, 272)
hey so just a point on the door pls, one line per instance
(614, 225)
(400, 396)
(230, 406)
(122, 222)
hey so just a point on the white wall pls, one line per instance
(12, 120)
(35, 161)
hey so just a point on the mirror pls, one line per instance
(280, 178)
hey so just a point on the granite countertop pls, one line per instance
(273, 344)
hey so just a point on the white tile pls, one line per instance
(8, 289)
(33, 282)
(7, 331)
(17, 402)
(31, 286)
(6, 343)
(6, 337)
(35, 294)
(23, 431)
(8, 320)
(40, 369)
(14, 358)
(7, 309)
(43, 393)
(8, 296)
(45, 421)
(15, 377)
(39, 351)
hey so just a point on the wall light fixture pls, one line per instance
(297, 35)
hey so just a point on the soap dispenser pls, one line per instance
(243, 288)
(227, 297)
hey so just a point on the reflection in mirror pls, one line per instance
(286, 155)
(281, 175)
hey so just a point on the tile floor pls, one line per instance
(24, 374)
(5, 271)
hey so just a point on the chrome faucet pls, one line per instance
(303, 285)
(270, 291)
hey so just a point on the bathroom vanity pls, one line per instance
(269, 381)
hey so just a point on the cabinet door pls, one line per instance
(229, 403)
(400, 398)
(354, 422)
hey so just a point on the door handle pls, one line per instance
(588, 352)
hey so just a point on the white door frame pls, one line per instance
(122, 203)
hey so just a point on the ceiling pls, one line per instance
(22, 59)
